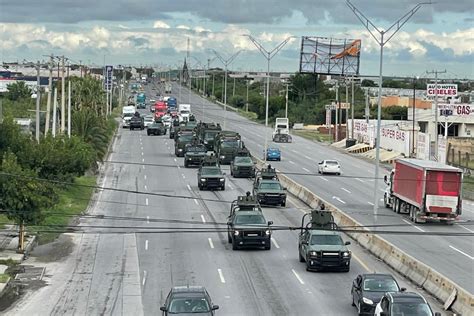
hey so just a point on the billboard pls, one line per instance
(330, 56)
(458, 109)
(108, 77)
(444, 90)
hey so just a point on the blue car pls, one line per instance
(273, 154)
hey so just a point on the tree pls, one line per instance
(91, 129)
(368, 83)
(24, 197)
(87, 92)
(18, 90)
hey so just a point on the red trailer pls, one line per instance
(160, 109)
(426, 190)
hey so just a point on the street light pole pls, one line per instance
(436, 72)
(226, 62)
(268, 55)
(390, 32)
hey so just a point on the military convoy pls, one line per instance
(267, 188)
(210, 175)
(226, 146)
(242, 165)
(319, 243)
(194, 153)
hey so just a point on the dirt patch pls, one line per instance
(57, 250)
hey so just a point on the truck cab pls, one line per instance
(282, 127)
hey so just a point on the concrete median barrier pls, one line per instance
(453, 296)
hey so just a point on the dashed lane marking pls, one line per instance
(146, 201)
(291, 162)
(306, 169)
(409, 223)
(344, 189)
(359, 180)
(196, 201)
(144, 176)
(203, 219)
(221, 275)
(469, 230)
(211, 244)
(297, 276)
(189, 187)
(324, 178)
(146, 244)
(361, 262)
(461, 252)
(371, 203)
(144, 278)
(275, 243)
(148, 219)
(146, 188)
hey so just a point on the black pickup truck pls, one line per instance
(137, 122)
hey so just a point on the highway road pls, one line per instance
(128, 270)
(353, 192)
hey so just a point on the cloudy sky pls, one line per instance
(155, 32)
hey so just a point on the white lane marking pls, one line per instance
(294, 151)
(359, 180)
(298, 277)
(184, 177)
(146, 188)
(179, 167)
(275, 243)
(144, 176)
(230, 187)
(196, 201)
(189, 187)
(141, 147)
(146, 201)
(346, 190)
(307, 157)
(469, 230)
(203, 219)
(142, 153)
(143, 160)
(306, 169)
(221, 276)
(371, 203)
(211, 244)
(144, 278)
(291, 162)
(148, 219)
(175, 160)
(324, 178)
(146, 244)
(337, 198)
(143, 165)
(411, 224)
(462, 252)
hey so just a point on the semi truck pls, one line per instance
(282, 126)
(426, 190)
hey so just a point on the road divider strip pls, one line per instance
(454, 296)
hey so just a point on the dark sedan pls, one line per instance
(368, 289)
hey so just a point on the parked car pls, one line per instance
(368, 289)
(273, 153)
(329, 166)
(187, 300)
(403, 303)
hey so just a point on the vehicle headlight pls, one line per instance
(236, 233)
(312, 253)
(189, 158)
(221, 179)
(346, 253)
(283, 195)
(205, 142)
(203, 180)
(267, 232)
(367, 301)
(222, 157)
(179, 149)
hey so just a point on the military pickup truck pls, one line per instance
(319, 245)
(137, 122)
(242, 166)
(206, 132)
(226, 146)
(210, 177)
(194, 153)
(182, 140)
(156, 128)
(247, 227)
(267, 188)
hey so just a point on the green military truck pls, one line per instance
(206, 132)
(319, 245)
(194, 154)
(210, 175)
(267, 188)
(226, 146)
(182, 140)
(156, 128)
(247, 226)
(242, 165)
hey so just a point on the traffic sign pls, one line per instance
(108, 77)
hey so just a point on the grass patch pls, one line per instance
(313, 135)
(5, 221)
(73, 200)
(4, 277)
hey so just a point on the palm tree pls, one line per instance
(89, 93)
(87, 125)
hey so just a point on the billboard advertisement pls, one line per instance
(459, 109)
(108, 77)
(330, 56)
(423, 146)
(444, 90)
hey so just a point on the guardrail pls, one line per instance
(452, 295)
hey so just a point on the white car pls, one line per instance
(166, 119)
(329, 166)
(149, 119)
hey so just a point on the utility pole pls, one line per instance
(69, 108)
(347, 109)
(336, 128)
(268, 56)
(212, 83)
(55, 110)
(50, 96)
(286, 101)
(436, 73)
(383, 37)
(38, 83)
(63, 96)
(233, 89)
(247, 100)
(352, 108)
(413, 117)
(226, 63)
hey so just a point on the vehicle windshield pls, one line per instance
(249, 219)
(230, 144)
(149, 118)
(326, 240)
(185, 138)
(270, 186)
(210, 135)
(273, 150)
(184, 112)
(380, 285)
(189, 305)
(411, 309)
(128, 115)
(211, 171)
(331, 163)
(243, 160)
(197, 149)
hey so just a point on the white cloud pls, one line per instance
(160, 25)
(183, 27)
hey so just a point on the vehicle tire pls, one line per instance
(223, 188)
(229, 239)
(385, 201)
(283, 204)
(185, 164)
(346, 269)
(394, 202)
(300, 256)
(269, 246)
(338, 173)
(353, 304)
(234, 245)
(148, 133)
(131, 128)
